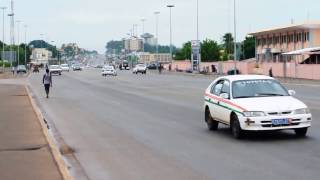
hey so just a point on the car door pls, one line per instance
(223, 111)
(214, 98)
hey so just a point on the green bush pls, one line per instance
(6, 64)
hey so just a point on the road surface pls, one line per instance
(152, 127)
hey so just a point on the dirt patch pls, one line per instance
(65, 149)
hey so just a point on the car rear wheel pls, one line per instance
(301, 132)
(236, 130)
(211, 123)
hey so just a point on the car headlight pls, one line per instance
(254, 114)
(301, 111)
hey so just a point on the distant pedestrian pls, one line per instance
(270, 72)
(160, 68)
(47, 82)
(13, 70)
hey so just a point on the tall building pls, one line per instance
(272, 43)
(149, 39)
(133, 44)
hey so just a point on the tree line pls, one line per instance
(211, 50)
(16, 48)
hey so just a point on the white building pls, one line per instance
(133, 44)
(40, 56)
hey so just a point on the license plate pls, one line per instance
(280, 122)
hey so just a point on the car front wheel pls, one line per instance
(211, 123)
(236, 130)
(301, 132)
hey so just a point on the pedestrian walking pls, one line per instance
(47, 82)
(160, 68)
(13, 70)
(270, 72)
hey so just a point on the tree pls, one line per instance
(248, 48)
(185, 52)
(116, 46)
(210, 50)
(44, 44)
(228, 43)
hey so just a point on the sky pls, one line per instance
(92, 23)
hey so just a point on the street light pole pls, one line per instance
(199, 55)
(197, 20)
(41, 37)
(18, 43)
(235, 37)
(25, 45)
(170, 7)
(157, 34)
(3, 33)
(143, 20)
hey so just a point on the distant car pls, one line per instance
(152, 66)
(55, 69)
(77, 67)
(65, 67)
(140, 68)
(233, 72)
(21, 69)
(108, 70)
(124, 65)
(254, 103)
(99, 66)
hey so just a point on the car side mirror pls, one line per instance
(292, 92)
(224, 95)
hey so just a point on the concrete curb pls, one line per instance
(62, 166)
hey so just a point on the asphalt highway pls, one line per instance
(152, 127)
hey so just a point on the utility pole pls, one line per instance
(18, 42)
(3, 33)
(235, 37)
(157, 34)
(25, 45)
(170, 7)
(12, 42)
(143, 20)
(199, 53)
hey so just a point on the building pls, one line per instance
(149, 39)
(133, 44)
(148, 58)
(275, 45)
(40, 56)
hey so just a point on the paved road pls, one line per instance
(151, 127)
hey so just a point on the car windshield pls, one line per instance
(64, 65)
(54, 66)
(257, 88)
(108, 67)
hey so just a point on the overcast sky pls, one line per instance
(92, 23)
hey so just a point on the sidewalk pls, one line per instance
(24, 150)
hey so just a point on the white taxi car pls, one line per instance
(254, 103)
(108, 70)
(140, 68)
